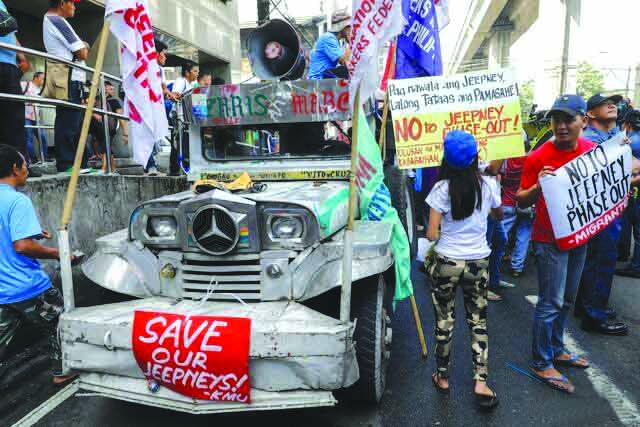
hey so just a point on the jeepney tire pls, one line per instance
(372, 349)
(402, 198)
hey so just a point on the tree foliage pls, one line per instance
(526, 91)
(589, 80)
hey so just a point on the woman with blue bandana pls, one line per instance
(461, 202)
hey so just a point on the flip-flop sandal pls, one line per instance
(568, 387)
(437, 385)
(487, 402)
(573, 362)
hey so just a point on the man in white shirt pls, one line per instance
(33, 88)
(184, 84)
(61, 40)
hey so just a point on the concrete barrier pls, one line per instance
(103, 204)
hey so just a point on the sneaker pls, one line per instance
(492, 296)
(504, 284)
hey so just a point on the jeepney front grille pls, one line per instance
(222, 277)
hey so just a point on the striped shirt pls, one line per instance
(60, 39)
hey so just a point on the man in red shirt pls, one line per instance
(558, 271)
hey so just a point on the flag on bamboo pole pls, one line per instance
(141, 75)
(375, 204)
(373, 24)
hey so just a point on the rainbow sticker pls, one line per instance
(244, 237)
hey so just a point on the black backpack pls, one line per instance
(8, 23)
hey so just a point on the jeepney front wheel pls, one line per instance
(372, 338)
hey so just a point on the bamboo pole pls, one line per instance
(63, 235)
(347, 259)
(416, 316)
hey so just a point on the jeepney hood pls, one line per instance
(328, 201)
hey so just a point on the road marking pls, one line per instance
(52, 403)
(626, 411)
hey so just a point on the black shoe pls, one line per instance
(34, 173)
(582, 312)
(611, 313)
(628, 272)
(606, 328)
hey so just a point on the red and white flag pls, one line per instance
(141, 75)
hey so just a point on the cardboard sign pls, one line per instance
(202, 357)
(588, 193)
(485, 104)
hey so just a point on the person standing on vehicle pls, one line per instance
(61, 83)
(558, 271)
(460, 202)
(329, 59)
(26, 293)
(602, 253)
(184, 84)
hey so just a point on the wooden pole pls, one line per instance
(63, 234)
(347, 259)
(416, 316)
(95, 84)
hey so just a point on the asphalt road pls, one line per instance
(605, 396)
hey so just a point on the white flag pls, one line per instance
(141, 75)
(374, 23)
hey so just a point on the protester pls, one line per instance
(26, 293)
(631, 221)
(496, 238)
(328, 59)
(61, 40)
(151, 168)
(518, 220)
(12, 114)
(33, 88)
(204, 79)
(558, 271)
(460, 202)
(184, 84)
(599, 269)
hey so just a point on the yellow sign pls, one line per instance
(484, 104)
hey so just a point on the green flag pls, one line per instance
(375, 205)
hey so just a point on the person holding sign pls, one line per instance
(602, 249)
(558, 271)
(461, 201)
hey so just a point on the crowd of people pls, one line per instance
(475, 206)
(22, 124)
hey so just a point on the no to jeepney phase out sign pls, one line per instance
(589, 193)
(425, 109)
(202, 357)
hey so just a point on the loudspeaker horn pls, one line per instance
(275, 51)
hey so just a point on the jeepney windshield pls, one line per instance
(275, 141)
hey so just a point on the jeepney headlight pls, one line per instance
(162, 226)
(286, 227)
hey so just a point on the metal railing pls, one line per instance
(48, 102)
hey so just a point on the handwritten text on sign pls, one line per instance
(485, 104)
(202, 357)
(588, 193)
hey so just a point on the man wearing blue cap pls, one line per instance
(599, 269)
(558, 271)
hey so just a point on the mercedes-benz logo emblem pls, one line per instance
(215, 231)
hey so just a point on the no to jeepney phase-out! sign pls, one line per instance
(202, 357)
(589, 193)
(485, 104)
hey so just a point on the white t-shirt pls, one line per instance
(181, 86)
(61, 40)
(465, 239)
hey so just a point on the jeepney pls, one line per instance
(271, 252)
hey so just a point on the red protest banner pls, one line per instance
(202, 357)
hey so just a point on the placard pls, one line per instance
(202, 357)
(588, 193)
(485, 104)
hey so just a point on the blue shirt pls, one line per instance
(325, 55)
(7, 56)
(599, 136)
(21, 277)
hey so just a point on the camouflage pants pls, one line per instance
(472, 276)
(41, 312)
